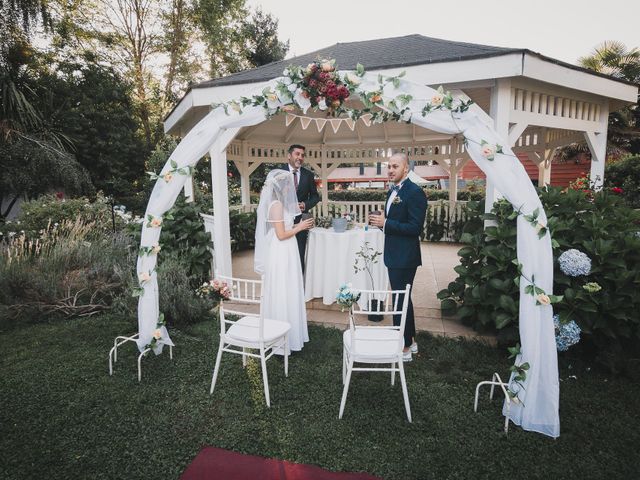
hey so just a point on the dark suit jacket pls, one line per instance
(307, 191)
(403, 226)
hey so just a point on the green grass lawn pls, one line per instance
(62, 416)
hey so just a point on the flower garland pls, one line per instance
(157, 334)
(168, 176)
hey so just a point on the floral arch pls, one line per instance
(534, 384)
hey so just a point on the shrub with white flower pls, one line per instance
(592, 287)
(574, 263)
(567, 334)
(346, 296)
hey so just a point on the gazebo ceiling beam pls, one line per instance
(249, 131)
(289, 132)
(357, 130)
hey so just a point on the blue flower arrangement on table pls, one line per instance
(346, 297)
(574, 263)
(567, 334)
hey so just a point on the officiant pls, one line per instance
(305, 189)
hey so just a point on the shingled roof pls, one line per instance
(377, 54)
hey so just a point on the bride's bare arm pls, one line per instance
(283, 234)
(276, 218)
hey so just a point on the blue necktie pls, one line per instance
(394, 188)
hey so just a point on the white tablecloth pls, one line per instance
(330, 260)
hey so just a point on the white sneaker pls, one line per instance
(406, 356)
(414, 347)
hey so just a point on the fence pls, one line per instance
(443, 223)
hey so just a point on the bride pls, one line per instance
(277, 258)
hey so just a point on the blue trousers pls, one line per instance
(399, 277)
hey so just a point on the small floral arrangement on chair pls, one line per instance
(215, 289)
(346, 297)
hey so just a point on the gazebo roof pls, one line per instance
(394, 52)
(472, 68)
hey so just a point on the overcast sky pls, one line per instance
(561, 29)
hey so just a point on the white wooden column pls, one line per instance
(453, 172)
(499, 109)
(597, 142)
(325, 180)
(245, 178)
(220, 191)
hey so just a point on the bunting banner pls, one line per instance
(321, 122)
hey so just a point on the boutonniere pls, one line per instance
(397, 200)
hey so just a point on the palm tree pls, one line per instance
(614, 59)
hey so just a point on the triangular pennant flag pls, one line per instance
(350, 123)
(290, 118)
(335, 124)
(305, 121)
(366, 119)
(320, 123)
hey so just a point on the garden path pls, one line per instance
(438, 260)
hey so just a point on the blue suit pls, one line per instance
(403, 225)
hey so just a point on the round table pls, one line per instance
(330, 262)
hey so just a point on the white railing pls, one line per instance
(440, 222)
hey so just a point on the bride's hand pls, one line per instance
(306, 224)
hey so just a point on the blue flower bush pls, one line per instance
(574, 263)
(597, 273)
(567, 334)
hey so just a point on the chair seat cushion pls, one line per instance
(374, 343)
(247, 329)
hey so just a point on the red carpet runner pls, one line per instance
(216, 463)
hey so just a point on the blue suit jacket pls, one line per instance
(403, 226)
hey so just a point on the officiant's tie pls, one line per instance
(295, 178)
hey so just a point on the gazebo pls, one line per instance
(429, 125)
(537, 102)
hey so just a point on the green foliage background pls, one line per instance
(605, 229)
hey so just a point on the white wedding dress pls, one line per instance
(283, 288)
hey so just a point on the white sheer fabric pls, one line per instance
(278, 187)
(278, 261)
(540, 396)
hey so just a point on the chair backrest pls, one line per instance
(388, 305)
(245, 300)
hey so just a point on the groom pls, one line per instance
(402, 223)
(305, 189)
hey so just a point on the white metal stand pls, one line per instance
(113, 353)
(495, 380)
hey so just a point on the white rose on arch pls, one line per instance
(353, 78)
(272, 101)
(489, 151)
(322, 104)
(303, 102)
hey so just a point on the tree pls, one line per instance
(92, 106)
(24, 14)
(261, 43)
(33, 158)
(130, 32)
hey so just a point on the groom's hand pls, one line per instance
(377, 220)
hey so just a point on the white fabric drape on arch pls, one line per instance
(540, 396)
